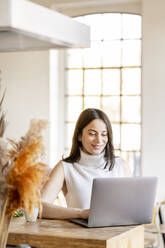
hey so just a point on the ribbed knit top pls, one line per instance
(79, 177)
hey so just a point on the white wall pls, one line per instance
(25, 75)
(56, 105)
(153, 91)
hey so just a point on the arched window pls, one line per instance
(108, 76)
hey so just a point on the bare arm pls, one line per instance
(50, 192)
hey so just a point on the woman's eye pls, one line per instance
(92, 134)
(104, 134)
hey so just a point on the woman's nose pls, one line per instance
(98, 138)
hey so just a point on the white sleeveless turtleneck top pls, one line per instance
(79, 177)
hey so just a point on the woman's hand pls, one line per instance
(84, 213)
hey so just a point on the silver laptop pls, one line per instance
(121, 201)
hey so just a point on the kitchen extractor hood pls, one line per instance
(27, 26)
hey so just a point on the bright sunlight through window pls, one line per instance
(108, 76)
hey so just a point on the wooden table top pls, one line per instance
(155, 228)
(62, 233)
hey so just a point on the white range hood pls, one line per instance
(26, 26)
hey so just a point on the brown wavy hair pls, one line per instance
(84, 119)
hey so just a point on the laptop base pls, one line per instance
(83, 222)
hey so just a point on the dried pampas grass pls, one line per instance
(27, 173)
(5, 166)
(3, 122)
(4, 156)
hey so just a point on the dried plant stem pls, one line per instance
(3, 122)
(4, 223)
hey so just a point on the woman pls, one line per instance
(91, 156)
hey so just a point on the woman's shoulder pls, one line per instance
(60, 164)
(64, 163)
(57, 167)
(67, 166)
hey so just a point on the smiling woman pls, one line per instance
(91, 156)
(94, 137)
(90, 124)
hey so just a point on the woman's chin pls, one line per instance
(93, 151)
(96, 152)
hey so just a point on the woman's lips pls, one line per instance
(97, 147)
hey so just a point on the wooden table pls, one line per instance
(61, 233)
(153, 235)
(154, 229)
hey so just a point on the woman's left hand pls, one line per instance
(84, 213)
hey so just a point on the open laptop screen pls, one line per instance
(121, 201)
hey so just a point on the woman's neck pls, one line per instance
(91, 160)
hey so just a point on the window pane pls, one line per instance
(111, 82)
(125, 156)
(131, 81)
(75, 58)
(130, 137)
(131, 26)
(111, 53)
(92, 84)
(128, 157)
(109, 30)
(133, 161)
(106, 76)
(131, 53)
(117, 153)
(66, 152)
(131, 109)
(94, 21)
(90, 58)
(91, 102)
(111, 105)
(75, 82)
(74, 107)
(69, 130)
(116, 135)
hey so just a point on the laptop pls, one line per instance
(121, 201)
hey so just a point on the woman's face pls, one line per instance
(94, 137)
